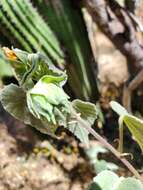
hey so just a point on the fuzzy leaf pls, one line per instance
(108, 180)
(77, 129)
(47, 95)
(129, 183)
(33, 66)
(13, 99)
(87, 110)
(88, 113)
(135, 125)
(99, 164)
(120, 110)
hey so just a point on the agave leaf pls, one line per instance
(27, 20)
(67, 22)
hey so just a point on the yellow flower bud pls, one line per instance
(9, 54)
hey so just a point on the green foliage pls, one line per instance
(22, 21)
(40, 101)
(5, 68)
(134, 124)
(108, 180)
(25, 22)
(13, 99)
(99, 164)
(68, 24)
(87, 110)
(45, 97)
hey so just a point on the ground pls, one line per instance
(29, 161)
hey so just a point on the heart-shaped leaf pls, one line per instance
(13, 99)
(87, 110)
(108, 180)
(88, 113)
(134, 124)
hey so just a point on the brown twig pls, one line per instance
(108, 146)
(119, 26)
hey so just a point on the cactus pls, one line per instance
(62, 25)
(67, 22)
(17, 12)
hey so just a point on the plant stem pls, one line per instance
(108, 146)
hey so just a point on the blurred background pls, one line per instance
(66, 32)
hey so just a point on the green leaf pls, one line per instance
(13, 99)
(77, 129)
(47, 95)
(48, 87)
(87, 110)
(33, 66)
(88, 113)
(135, 125)
(5, 69)
(120, 110)
(22, 55)
(108, 180)
(121, 2)
(99, 164)
(129, 183)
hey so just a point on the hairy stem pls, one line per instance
(108, 146)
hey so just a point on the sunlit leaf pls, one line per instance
(108, 180)
(129, 183)
(135, 125)
(13, 99)
(77, 129)
(120, 110)
(47, 95)
(97, 163)
(87, 110)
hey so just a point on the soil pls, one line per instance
(30, 161)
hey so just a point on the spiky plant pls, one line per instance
(61, 35)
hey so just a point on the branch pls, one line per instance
(108, 146)
(119, 26)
